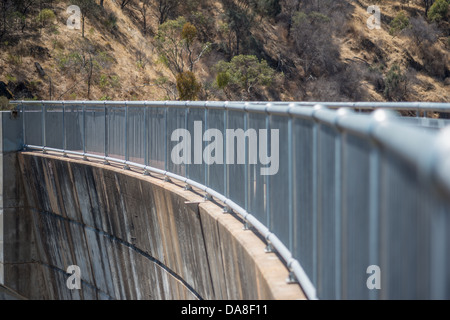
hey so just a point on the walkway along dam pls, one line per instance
(225, 200)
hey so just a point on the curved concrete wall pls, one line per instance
(133, 237)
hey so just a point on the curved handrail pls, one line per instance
(383, 127)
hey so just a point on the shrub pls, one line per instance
(434, 60)
(4, 103)
(189, 32)
(187, 85)
(223, 80)
(110, 22)
(399, 23)
(438, 10)
(395, 84)
(245, 72)
(421, 31)
(270, 8)
(45, 16)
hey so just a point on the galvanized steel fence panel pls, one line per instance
(352, 190)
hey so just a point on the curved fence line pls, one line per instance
(350, 190)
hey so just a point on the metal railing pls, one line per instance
(352, 190)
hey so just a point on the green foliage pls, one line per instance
(438, 11)
(395, 83)
(46, 16)
(205, 24)
(178, 45)
(239, 21)
(223, 79)
(11, 78)
(245, 72)
(13, 59)
(189, 33)
(269, 8)
(4, 103)
(319, 17)
(188, 87)
(110, 22)
(399, 23)
(301, 17)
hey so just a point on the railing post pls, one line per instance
(146, 140)
(291, 161)
(166, 137)
(44, 138)
(84, 130)
(267, 177)
(290, 183)
(24, 132)
(338, 196)
(186, 116)
(225, 169)
(246, 171)
(315, 187)
(105, 109)
(126, 167)
(64, 129)
(207, 167)
(374, 199)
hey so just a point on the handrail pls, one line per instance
(412, 106)
(428, 152)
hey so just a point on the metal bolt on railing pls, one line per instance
(207, 197)
(246, 225)
(269, 247)
(291, 279)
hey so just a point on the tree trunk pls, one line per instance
(82, 25)
(238, 40)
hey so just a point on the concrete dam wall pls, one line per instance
(132, 237)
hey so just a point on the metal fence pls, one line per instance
(353, 189)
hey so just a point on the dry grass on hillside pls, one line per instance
(130, 69)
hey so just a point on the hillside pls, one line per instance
(312, 50)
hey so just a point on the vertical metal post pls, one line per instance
(146, 140)
(439, 247)
(290, 184)
(126, 132)
(24, 132)
(166, 137)
(105, 109)
(126, 167)
(84, 130)
(186, 116)
(314, 200)
(225, 169)
(44, 138)
(206, 166)
(246, 192)
(267, 177)
(374, 203)
(337, 218)
(64, 128)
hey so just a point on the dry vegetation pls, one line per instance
(316, 50)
